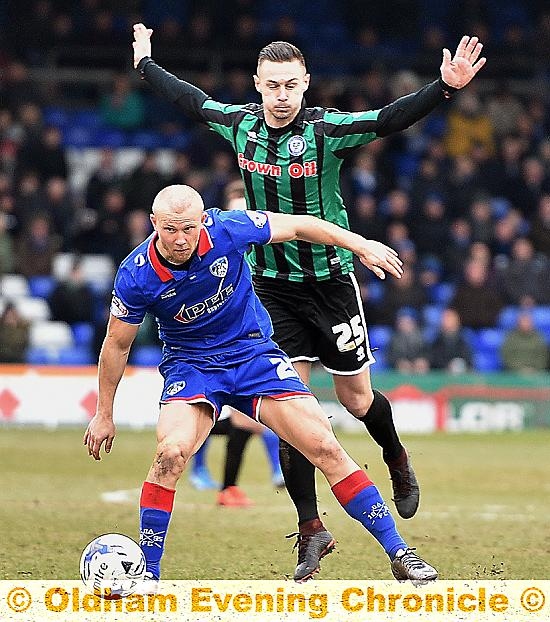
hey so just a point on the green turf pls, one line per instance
(484, 509)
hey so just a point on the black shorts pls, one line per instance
(322, 321)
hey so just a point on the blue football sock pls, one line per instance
(271, 442)
(362, 501)
(153, 523)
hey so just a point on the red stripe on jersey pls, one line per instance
(163, 272)
(205, 242)
(350, 486)
(157, 497)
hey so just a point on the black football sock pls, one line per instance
(379, 423)
(236, 443)
(299, 476)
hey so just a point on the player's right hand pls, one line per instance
(142, 42)
(100, 430)
(379, 258)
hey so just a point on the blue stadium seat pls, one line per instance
(78, 136)
(486, 361)
(83, 333)
(442, 293)
(179, 141)
(40, 356)
(77, 355)
(41, 286)
(89, 118)
(55, 116)
(146, 356)
(146, 140)
(431, 314)
(489, 338)
(381, 361)
(508, 317)
(375, 291)
(109, 138)
(379, 336)
(541, 317)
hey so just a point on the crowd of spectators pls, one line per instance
(464, 195)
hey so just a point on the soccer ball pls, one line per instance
(112, 565)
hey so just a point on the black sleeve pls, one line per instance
(188, 97)
(405, 111)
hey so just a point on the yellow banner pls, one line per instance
(332, 601)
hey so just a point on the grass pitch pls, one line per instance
(484, 509)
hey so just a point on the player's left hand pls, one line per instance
(460, 69)
(379, 257)
(142, 43)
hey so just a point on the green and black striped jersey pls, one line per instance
(294, 169)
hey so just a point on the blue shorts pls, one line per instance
(221, 380)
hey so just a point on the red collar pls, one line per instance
(165, 274)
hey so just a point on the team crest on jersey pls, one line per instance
(296, 145)
(258, 218)
(219, 267)
(139, 260)
(118, 308)
(176, 387)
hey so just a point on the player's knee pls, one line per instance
(172, 456)
(357, 403)
(327, 452)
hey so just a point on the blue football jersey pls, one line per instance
(209, 308)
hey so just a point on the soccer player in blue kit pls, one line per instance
(191, 273)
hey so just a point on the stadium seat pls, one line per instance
(375, 292)
(51, 335)
(78, 136)
(442, 293)
(61, 266)
(40, 356)
(431, 314)
(14, 286)
(146, 140)
(98, 271)
(83, 333)
(33, 309)
(541, 317)
(488, 339)
(76, 355)
(146, 356)
(109, 138)
(41, 286)
(508, 317)
(179, 141)
(379, 336)
(486, 361)
(55, 116)
(87, 117)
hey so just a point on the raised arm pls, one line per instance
(456, 72)
(374, 255)
(112, 362)
(185, 95)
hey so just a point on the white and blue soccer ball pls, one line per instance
(112, 566)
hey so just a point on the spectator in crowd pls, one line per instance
(104, 177)
(407, 351)
(468, 124)
(523, 277)
(144, 182)
(45, 156)
(403, 292)
(123, 106)
(481, 220)
(6, 246)
(72, 299)
(14, 335)
(450, 350)
(524, 348)
(60, 207)
(476, 300)
(430, 229)
(540, 229)
(36, 247)
(456, 253)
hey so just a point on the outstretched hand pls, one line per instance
(460, 69)
(379, 257)
(142, 43)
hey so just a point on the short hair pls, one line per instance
(280, 52)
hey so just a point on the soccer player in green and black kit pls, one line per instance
(290, 158)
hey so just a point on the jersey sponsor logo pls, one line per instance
(296, 145)
(118, 309)
(219, 267)
(139, 260)
(258, 218)
(295, 170)
(176, 387)
(211, 304)
(252, 136)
